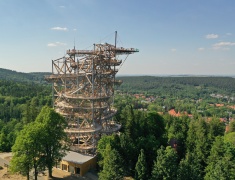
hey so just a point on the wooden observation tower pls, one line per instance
(83, 91)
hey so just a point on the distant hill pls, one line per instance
(6, 74)
(151, 84)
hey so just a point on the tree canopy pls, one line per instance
(40, 144)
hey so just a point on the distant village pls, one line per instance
(172, 112)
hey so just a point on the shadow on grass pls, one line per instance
(71, 177)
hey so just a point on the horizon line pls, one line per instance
(174, 75)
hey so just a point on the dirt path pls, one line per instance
(56, 173)
(5, 175)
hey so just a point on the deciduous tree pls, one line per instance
(54, 138)
(28, 150)
(40, 144)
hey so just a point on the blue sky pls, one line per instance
(173, 36)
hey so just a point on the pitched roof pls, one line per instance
(173, 113)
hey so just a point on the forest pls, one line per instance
(197, 142)
(153, 144)
(38, 77)
(177, 85)
(20, 102)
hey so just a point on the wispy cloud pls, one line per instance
(59, 28)
(56, 44)
(229, 34)
(220, 44)
(62, 6)
(223, 45)
(201, 49)
(74, 29)
(212, 36)
(173, 50)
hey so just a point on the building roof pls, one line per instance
(77, 157)
(173, 113)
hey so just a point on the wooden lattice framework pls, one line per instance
(83, 89)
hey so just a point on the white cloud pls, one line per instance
(74, 29)
(56, 44)
(212, 36)
(229, 34)
(60, 28)
(173, 50)
(223, 45)
(201, 49)
(62, 6)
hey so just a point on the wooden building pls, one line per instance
(76, 163)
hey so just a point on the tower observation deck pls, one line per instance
(83, 91)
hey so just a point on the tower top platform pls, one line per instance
(102, 48)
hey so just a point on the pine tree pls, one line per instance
(165, 166)
(141, 167)
(221, 162)
(112, 165)
(189, 168)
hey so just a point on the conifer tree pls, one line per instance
(221, 162)
(112, 165)
(189, 168)
(141, 167)
(165, 166)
